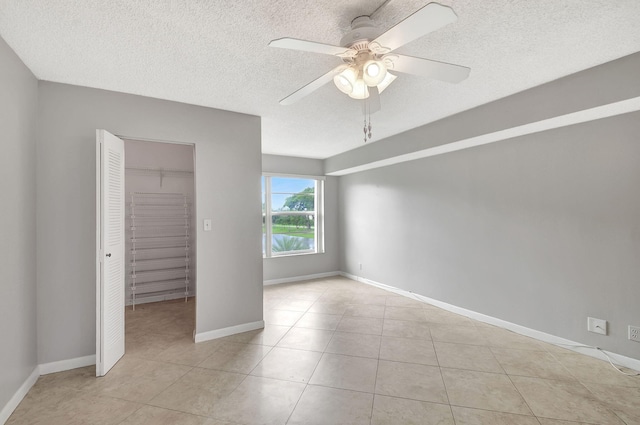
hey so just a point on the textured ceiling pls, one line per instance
(215, 53)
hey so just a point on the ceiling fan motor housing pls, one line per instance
(362, 32)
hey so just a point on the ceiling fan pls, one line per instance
(368, 58)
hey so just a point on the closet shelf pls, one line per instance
(159, 244)
(159, 172)
(159, 263)
(161, 286)
(158, 275)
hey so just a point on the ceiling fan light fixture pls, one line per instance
(388, 79)
(360, 90)
(346, 80)
(374, 72)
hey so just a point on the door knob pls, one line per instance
(109, 255)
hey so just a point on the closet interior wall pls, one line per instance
(160, 174)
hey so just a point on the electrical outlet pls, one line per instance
(598, 326)
(634, 333)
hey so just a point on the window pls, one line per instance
(292, 218)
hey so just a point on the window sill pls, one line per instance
(299, 254)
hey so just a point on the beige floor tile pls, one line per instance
(498, 337)
(393, 411)
(346, 372)
(413, 381)
(198, 391)
(483, 390)
(538, 364)
(544, 421)
(149, 415)
(327, 322)
(589, 369)
(462, 356)
(447, 318)
(42, 398)
(290, 304)
(361, 325)
(165, 318)
(466, 416)
(339, 297)
(188, 353)
(282, 317)
(323, 406)
(270, 302)
(269, 335)
(365, 310)
(79, 379)
(405, 313)
(259, 401)
(566, 400)
(352, 344)
(556, 349)
(402, 301)
(158, 369)
(406, 329)
(288, 364)
(137, 379)
(305, 292)
(369, 298)
(457, 334)
(329, 307)
(306, 339)
(409, 350)
(235, 357)
(150, 346)
(76, 408)
(623, 401)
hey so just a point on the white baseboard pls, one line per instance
(62, 365)
(621, 360)
(300, 278)
(8, 409)
(231, 330)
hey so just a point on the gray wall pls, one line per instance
(18, 109)
(304, 265)
(542, 230)
(228, 166)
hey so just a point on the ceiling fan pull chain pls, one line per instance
(365, 129)
(369, 126)
(365, 126)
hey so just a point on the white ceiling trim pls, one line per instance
(591, 114)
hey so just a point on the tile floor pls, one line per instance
(335, 352)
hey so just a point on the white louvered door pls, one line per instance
(110, 267)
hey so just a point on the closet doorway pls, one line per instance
(160, 283)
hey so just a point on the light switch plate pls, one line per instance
(207, 225)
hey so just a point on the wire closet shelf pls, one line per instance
(159, 247)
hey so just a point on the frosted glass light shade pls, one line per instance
(374, 72)
(346, 80)
(360, 90)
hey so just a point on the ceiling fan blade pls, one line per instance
(312, 86)
(310, 46)
(428, 19)
(371, 104)
(429, 68)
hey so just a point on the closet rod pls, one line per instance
(162, 172)
(159, 170)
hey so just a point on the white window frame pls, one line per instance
(269, 214)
